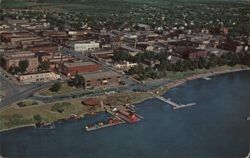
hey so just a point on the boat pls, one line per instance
(206, 78)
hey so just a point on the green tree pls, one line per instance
(56, 87)
(57, 108)
(44, 66)
(213, 60)
(2, 60)
(38, 118)
(78, 81)
(23, 65)
(14, 70)
(121, 56)
(60, 107)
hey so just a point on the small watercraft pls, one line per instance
(248, 118)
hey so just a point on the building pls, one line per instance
(43, 56)
(191, 53)
(72, 68)
(56, 62)
(101, 79)
(15, 38)
(38, 77)
(234, 46)
(85, 46)
(103, 54)
(11, 59)
(125, 66)
(48, 48)
(143, 27)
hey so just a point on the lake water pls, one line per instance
(215, 127)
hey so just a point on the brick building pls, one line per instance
(101, 79)
(48, 48)
(69, 69)
(13, 58)
(191, 53)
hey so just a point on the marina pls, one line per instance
(173, 104)
(111, 122)
(120, 115)
(179, 131)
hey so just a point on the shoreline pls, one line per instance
(165, 87)
(17, 127)
(179, 82)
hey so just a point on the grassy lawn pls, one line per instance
(127, 98)
(63, 90)
(12, 117)
(15, 117)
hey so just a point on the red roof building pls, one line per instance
(70, 69)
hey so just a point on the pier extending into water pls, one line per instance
(95, 127)
(173, 104)
(120, 115)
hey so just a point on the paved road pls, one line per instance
(22, 95)
(16, 92)
(81, 94)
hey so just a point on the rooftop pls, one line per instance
(96, 75)
(19, 54)
(75, 64)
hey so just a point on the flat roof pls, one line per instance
(82, 42)
(75, 64)
(13, 53)
(96, 75)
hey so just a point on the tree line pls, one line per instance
(144, 71)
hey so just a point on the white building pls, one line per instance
(125, 66)
(86, 46)
(38, 77)
(4, 26)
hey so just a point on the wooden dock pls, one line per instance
(121, 117)
(123, 109)
(173, 104)
(95, 127)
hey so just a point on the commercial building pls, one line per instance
(101, 79)
(13, 58)
(190, 53)
(48, 48)
(69, 69)
(38, 77)
(103, 54)
(85, 46)
(125, 66)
